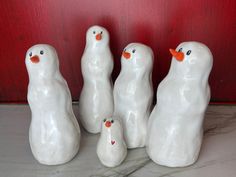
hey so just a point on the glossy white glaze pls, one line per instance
(133, 93)
(54, 133)
(111, 147)
(175, 126)
(96, 99)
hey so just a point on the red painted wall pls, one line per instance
(161, 24)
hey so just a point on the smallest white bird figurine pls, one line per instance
(111, 147)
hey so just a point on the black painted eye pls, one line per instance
(30, 54)
(94, 32)
(125, 50)
(133, 51)
(189, 52)
(41, 52)
(112, 121)
(101, 32)
(104, 120)
(180, 50)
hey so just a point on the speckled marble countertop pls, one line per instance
(217, 157)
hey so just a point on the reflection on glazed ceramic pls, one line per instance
(54, 132)
(175, 126)
(96, 99)
(111, 147)
(133, 93)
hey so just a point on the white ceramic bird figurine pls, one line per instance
(111, 147)
(96, 98)
(133, 93)
(54, 133)
(175, 126)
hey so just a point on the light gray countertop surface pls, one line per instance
(217, 157)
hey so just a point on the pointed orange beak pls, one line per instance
(34, 59)
(178, 55)
(99, 37)
(126, 55)
(108, 124)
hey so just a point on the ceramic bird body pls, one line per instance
(175, 126)
(54, 132)
(96, 98)
(111, 147)
(133, 93)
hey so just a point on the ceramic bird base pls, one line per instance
(96, 98)
(133, 93)
(111, 147)
(175, 126)
(54, 133)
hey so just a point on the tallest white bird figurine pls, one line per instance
(175, 126)
(96, 98)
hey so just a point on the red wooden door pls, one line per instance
(161, 24)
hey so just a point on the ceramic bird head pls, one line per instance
(41, 61)
(191, 60)
(97, 37)
(137, 57)
(112, 128)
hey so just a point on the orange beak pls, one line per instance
(99, 37)
(178, 55)
(34, 59)
(108, 124)
(126, 55)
